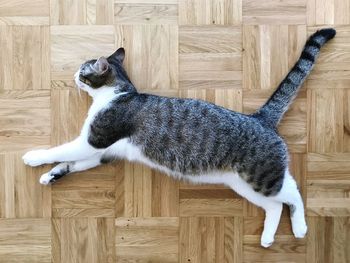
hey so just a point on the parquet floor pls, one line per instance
(231, 52)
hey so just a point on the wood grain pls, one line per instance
(210, 57)
(274, 12)
(83, 239)
(334, 12)
(24, 12)
(25, 240)
(81, 12)
(157, 45)
(216, 12)
(147, 239)
(20, 194)
(25, 57)
(145, 12)
(232, 53)
(210, 239)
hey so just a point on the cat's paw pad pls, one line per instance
(45, 179)
(299, 230)
(35, 158)
(266, 241)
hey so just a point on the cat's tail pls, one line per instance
(272, 112)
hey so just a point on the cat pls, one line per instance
(188, 139)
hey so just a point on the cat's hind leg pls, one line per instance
(290, 195)
(273, 209)
(65, 168)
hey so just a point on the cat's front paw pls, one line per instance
(46, 179)
(35, 158)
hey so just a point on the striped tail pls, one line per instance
(273, 110)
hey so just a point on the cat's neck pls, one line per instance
(109, 91)
(103, 92)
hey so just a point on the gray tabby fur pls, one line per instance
(191, 137)
(187, 138)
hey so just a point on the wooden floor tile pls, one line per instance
(328, 184)
(20, 194)
(210, 239)
(151, 55)
(68, 111)
(327, 126)
(83, 240)
(210, 57)
(25, 240)
(274, 12)
(81, 12)
(216, 12)
(147, 239)
(24, 120)
(25, 12)
(89, 194)
(25, 57)
(328, 239)
(146, 12)
(142, 192)
(334, 12)
(232, 53)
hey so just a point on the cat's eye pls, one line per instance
(84, 80)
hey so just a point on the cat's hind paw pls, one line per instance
(35, 158)
(299, 230)
(266, 241)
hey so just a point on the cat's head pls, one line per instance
(104, 72)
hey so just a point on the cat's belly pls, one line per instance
(124, 149)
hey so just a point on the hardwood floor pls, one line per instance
(230, 52)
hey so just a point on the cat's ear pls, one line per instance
(101, 65)
(118, 55)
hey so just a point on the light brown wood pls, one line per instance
(210, 57)
(25, 240)
(215, 12)
(147, 239)
(274, 12)
(229, 52)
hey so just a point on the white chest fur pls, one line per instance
(101, 101)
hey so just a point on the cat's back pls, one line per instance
(200, 134)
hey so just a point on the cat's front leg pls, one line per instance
(79, 149)
(65, 168)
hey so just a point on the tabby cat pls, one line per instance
(187, 138)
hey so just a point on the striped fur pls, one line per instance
(272, 112)
(189, 139)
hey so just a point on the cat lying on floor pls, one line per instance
(187, 138)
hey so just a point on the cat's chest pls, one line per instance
(100, 103)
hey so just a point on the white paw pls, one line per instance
(299, 230)
(46, 178)
(35, 158)
(266, 241)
